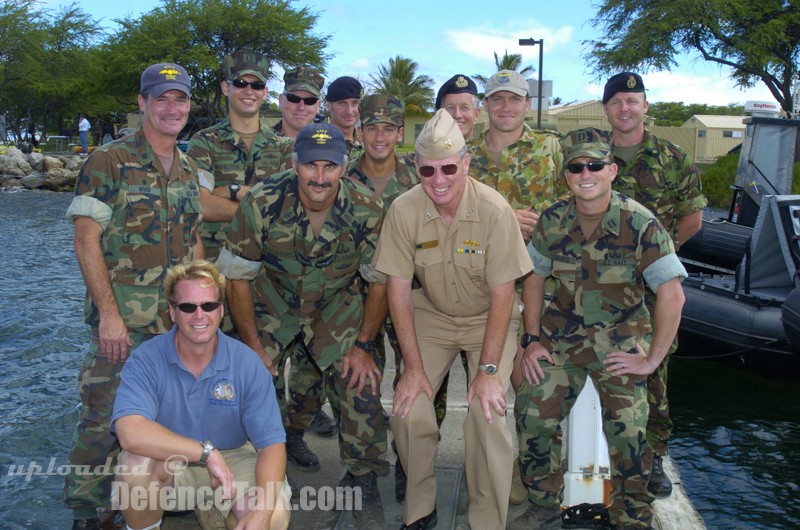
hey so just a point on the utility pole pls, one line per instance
(534, 42)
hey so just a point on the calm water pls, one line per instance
(736, 443)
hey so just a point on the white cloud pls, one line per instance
(711, 89)
(481, 42)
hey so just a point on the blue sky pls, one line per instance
(446, 38)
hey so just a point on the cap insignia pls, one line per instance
(631, 82)
(170, 72)
(322, 137)
(503, 78)
(461, 82)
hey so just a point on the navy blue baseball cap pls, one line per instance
(320, 141)
(161, 77)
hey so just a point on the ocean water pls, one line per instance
(736, 441)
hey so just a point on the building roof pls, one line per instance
(715, 122)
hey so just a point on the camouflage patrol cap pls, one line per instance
(589, 143)
(622, 82)
(507, 80)
(303, 78)
(379, 108)
(246, 62)
(440, 137)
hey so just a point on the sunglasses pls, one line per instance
(207, 307)
(447, 169)
(241, 83)
(594, 166)
(297, 99)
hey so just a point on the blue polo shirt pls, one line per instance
(231, 402)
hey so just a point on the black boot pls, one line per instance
(323, 425)
(400, 481)
(298, 452)
(660, 485)
(370, 516)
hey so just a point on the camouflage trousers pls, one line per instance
(87, 486)
(659, 424)
(305, 383)
(539, 410)
(362, 433)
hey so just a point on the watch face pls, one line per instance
(490, 369)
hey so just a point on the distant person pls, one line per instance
(603, 251)
(196, 396)
(136, 213)
(299, 101)
(342, 99)
(299, 249)
(459, 96)
(83, 129)
(460, 239)
(661, 176)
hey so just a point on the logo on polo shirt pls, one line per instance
(223, 393)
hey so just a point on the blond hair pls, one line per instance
(196, 270)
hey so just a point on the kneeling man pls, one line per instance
(196, 411)
(460, 238)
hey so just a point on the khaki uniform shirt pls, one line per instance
(457, 264)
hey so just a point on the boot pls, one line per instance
(370, 516)
(400, 481)
(323, 425)
(298, 452)
(660, 485)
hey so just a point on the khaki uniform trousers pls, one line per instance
(489, 448)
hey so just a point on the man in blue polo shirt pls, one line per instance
(189, 418)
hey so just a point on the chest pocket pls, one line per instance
(617, 271)
(428, 264)
(142, 220)
(566, 272)
(472, 263)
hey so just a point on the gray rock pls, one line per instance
(33, 181)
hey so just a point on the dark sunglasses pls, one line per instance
(447, 169)
(241, 83)
(207, 307)
(594, 166)
(297, 99)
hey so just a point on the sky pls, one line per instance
(448, 38)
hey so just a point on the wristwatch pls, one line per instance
(368, 346)
(528, 339)
(233, 189)
(208, 446)
(488, 369)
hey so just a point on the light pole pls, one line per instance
(534, 42)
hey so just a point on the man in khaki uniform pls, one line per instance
(461, 240)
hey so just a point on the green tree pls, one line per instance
(198, 34)
(675, 114)
(758, 41)
(508, 61)
(401, 80)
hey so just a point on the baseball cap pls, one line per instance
(320, 141)
(507, 80)
(244, 62)
(303, 78)
(161, 77)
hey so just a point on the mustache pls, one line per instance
(312, 184)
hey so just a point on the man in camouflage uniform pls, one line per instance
(238, 152)
(136, 213)
(603, 250)
(661, 176)
(305, 238)
(458, 237)
(299, 101)
(343, 99)
(459, 96)
(387, 175)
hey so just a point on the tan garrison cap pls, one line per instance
(507, 80)
(303, 78)
(589, 143)
(440, 137)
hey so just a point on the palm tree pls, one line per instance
(400, 79)
(507, 62)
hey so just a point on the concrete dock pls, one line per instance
(673, 513)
